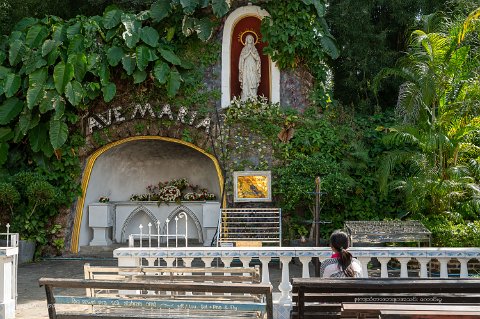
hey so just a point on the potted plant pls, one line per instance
(302, 231)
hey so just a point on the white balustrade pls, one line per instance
(8, 274)
(134, 256)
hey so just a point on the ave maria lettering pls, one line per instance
(116, 116)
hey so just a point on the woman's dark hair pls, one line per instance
(340, 242)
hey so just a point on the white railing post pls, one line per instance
(463, 267)
(384, 270)
(423, 261)
(158, 234)
(403, 267)
(169, 261)
(8, 235)
(265, 271)
(443, 266)
(364, 262)
(151, 261)
(285, 287)
(167, 222)
(150, 235)
(305, 260)
(176, 231)
(227, 261)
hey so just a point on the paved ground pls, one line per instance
(31, 302)
(31, 298)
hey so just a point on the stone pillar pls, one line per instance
(423, 261)
(265, 270)
(151, 261)
(285, 287)
(403, 267)
(187, 262)
(443, 266)
(305, 260)
(463, 267)
(364, 262)
(384, 270)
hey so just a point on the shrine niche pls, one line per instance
(246, 71)
(247, 46)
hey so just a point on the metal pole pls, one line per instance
(317, 210)
(317, 222)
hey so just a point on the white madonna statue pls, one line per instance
(249, 69)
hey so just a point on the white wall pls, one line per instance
(130, 167)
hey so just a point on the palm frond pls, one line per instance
(386, 166)
(466, 24)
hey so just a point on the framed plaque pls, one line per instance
(252, 186)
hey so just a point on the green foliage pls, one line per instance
(447, 232)
(298, 35)
(372, 35)
(437, 143)
(75, 56)
(34, 198)
(9, 196)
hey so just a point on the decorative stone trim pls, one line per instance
(139, 209)
(191, 215)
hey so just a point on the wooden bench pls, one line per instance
(178, 274)
(219, 300)
(368, 297)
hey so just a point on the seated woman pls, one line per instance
(342, 263)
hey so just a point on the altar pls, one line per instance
(115, 221)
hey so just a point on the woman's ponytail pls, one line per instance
(339, 241)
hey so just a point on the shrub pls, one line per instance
(9, 196)
(447, 233)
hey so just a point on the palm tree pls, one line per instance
(436, 140)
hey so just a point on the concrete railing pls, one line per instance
(425, 261)
(8, 274)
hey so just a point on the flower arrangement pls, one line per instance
(174, 191)
(252, 107)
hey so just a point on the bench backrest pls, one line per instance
(154, 305)
(177, 274)
(326, 295)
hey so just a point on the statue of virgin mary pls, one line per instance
(249, 69)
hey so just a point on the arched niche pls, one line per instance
(127, 167)
(141, 215)
(245, 15)
(192, 221)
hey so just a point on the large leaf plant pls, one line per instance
(50, 69)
